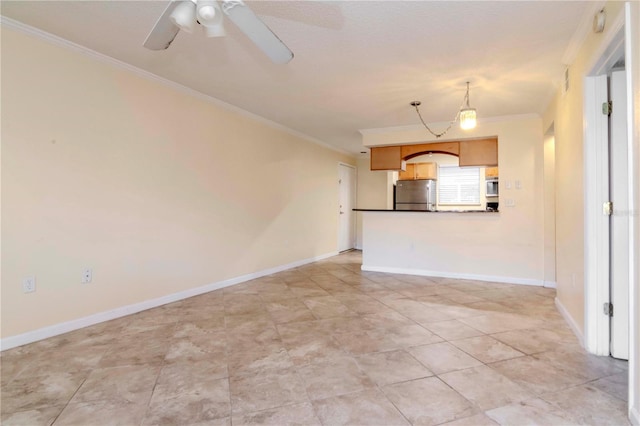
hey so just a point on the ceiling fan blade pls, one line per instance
(257, 31)
(164, 31)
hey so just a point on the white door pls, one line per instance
(347, 202)
(619, 231)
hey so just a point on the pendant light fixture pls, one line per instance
(466, 115)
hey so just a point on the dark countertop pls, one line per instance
(424, 211)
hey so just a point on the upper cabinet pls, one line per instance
(491, 172)
(416, 171)
(480, 152)
(477, 152)
(387, 158)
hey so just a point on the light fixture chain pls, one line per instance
(465, 102)
(437, 135)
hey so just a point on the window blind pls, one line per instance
(458, 185)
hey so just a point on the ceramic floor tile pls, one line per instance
(580, 364)
(452, 330)
(443, 357)
(530, 412)
(313, 348)
(196, 402)
(337, 377)
(534, 375)
(497, 322)
(428, 401)
(41, 391)
(197, 348)
(368, 407)
(485, 387)
(486, 349)
(180, 375)
(258, 351)
(42, 416)
(289, 310)
(531, 341)
(616, 385)
(204, 327)
(327, 307)
(253, 336)
(259, 361)
(392, 367)
(128, 384)
(294, 415)
(67, 359)
(477, 420)
(257, 392)
(587, 405)
(105, 413)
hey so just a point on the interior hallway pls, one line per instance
(323, 344)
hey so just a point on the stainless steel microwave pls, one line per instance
(492, 188)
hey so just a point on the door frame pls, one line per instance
(355, 199)
(596, 192)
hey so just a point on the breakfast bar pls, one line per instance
(467, 244)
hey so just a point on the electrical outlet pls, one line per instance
(29, 284)
(87, 275)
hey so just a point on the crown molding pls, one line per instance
(581, 33)
(69, 45)
(411, 127)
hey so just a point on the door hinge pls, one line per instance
(607, 208)
(607, 107)
(608, 309)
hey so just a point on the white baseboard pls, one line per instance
(440, 274)
(569, 319)
(550, 284)
(65, 327)
(634, 416)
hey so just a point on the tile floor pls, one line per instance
(323, 344)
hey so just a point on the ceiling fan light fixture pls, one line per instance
(184, 16)
(211, 18)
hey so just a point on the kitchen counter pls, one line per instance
(426, 211)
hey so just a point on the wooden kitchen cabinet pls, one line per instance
(479, 152)
(409, 173)
(387, 158)
(426, 171)
(491, 172)
(419, 171)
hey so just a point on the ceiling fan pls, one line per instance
(190, 15)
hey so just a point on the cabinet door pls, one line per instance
(386, 158)
(481, 152)
(426, 171)
(491, 172)
(409, 173)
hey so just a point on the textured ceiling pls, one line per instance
(357, 64)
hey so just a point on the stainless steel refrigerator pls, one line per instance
(416, 195)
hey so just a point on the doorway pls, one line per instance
(346, 204)
(607, 206)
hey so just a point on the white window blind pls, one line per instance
(459, 186)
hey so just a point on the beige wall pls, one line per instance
(372, 192)
(517, 233)
(156, 190)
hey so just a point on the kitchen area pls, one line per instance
(449, 208)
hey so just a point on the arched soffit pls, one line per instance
(409, 157)
(409, 151)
